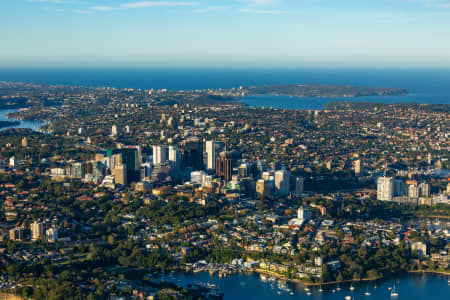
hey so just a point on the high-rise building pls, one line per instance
(16, 234)
(282, 178)
(37, 230)
(146, 170)
(212, 150)
(114, 130)
(160, 154)
(424, 189)
(304, 213)
(76, 170)
(244, 170)
(359, 167)
(413, 191)
(299, 185)
(132, 159)
(263, 188)
(174, 156)
(52, 235)
(385, 188)
(224, 165)
(120, 174)
(193, 154)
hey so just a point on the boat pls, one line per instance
(348, 297)
(308, 293)
(307, 289)
(338, 288)
(367, 293)
(352, 288)
(333, 290)
(320, 289)
(394, 294)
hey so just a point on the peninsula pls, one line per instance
(323, 90)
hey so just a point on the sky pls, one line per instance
(217, 33)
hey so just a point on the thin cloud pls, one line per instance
(262, 11)
(82, 11)
(102, 8)
(211, 9)
(143, 4)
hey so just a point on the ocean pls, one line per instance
(424, 85)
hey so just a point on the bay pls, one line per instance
(250, 286)
(23, 124)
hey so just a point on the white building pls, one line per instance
(420, 247)
(282, 178)
(304, 213)
(160, 154)
(212, 150)
(174, 156)
(385, 188)
(198, 177)
(37, 230)
(52, 235)
(114, 130)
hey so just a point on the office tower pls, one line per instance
(400, 188)
(16, 234)
(77, 170)
(304, 213)
(212, 150)
(263, 188)
(98, 168)
(24, 142)
(127, 129)
(385, 188)
(299, 185)
(282, 178)
(244, 170)
(174, 156)
(146, 170)
(37, 230)
(193, 154)
(224, 165)
(424, 189)
(359, 167)
(413, 191)
(52, 235)
(160, 154)
(132, 159)
(120, 175)
(114, 131)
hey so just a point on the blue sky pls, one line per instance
(399, 33)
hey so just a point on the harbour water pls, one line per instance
(23, 124)
(243, 286)
(423, 85)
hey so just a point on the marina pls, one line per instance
(254, 286)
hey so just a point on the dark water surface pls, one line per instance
(424, 85)
(241, 286)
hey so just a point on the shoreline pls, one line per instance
(282, 277)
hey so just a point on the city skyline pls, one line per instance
(60, 33)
